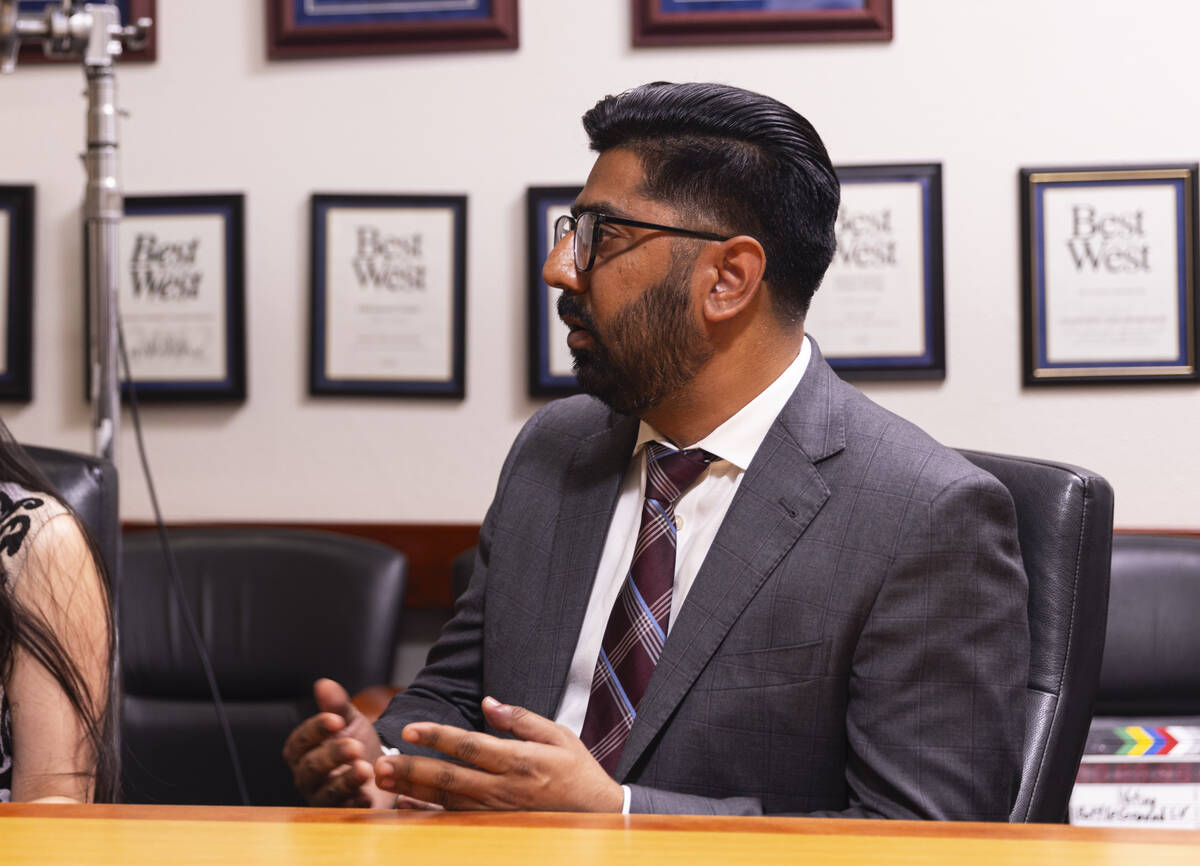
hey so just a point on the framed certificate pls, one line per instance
(1108, 263)
(388, 295)
(180, 295)
(715, 22)
(131, 10)
(326, 28)
(879, 311)
(551, 370)
(16, 292)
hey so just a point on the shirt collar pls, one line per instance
(738, 438)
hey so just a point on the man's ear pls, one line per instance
(738, 265)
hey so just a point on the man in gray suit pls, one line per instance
(842, 629)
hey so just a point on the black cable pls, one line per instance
(176, 583)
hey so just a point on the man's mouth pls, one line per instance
(579, 336)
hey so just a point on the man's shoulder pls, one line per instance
(558, 428)
(883, 444)
(854, 440)
(578, 416)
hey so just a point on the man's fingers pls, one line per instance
(326, 752)
(325, 760)
(439, 782)
(432, 799)
(344, 787)
(332, 698)
(309, 734)
(482, 750)
(522, 723)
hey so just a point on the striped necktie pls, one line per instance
(637, 626)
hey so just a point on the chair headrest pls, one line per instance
(276, 609)
(89, 485)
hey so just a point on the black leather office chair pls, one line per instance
(89, 485)
(277, 609)
(1064, 523)
(1151, 667)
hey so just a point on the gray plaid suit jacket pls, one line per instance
(856, 642)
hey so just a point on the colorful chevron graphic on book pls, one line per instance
(1142, 740)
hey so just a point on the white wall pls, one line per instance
(982, 87)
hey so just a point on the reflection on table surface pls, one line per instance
(128, 834)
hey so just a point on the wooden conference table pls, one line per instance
(197, 834)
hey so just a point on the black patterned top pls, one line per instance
(22, 515)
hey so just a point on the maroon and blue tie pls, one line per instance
(637, 626)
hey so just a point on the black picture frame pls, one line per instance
(549, 363)
(194, 350)
(882, 301)
(357, 347)
(706, 22)
(17, 211)
(324, 31)
(1108, 274)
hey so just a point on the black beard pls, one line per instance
(650, 350)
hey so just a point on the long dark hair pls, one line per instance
(24, 629)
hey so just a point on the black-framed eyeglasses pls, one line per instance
(586, 227)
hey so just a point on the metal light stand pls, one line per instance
(93, 32)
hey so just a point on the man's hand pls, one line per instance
(331, 753)
(546, 769)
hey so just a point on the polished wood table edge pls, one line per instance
(592, 821)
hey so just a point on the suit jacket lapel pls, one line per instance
(589, 495)
(778, 498)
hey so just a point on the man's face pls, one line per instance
(636, 336)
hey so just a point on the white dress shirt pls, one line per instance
(698, 516)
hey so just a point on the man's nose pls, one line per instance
(559, 268)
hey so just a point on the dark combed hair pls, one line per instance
(740, 162)
(22, 628)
